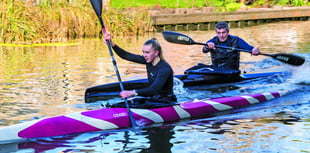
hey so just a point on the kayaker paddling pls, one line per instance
(222, 58)
(159, 73)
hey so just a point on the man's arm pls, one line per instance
(244, 45)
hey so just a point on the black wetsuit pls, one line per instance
(226, 58)
(160, 77)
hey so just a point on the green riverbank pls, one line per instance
(45, 21)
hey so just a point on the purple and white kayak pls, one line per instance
(114, 118)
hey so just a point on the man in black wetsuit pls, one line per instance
(159, 72)
(225, 60)
(225, 57)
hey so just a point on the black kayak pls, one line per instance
(190, 78)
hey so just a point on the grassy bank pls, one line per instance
(46, 22)
(62, 20)
(221, 5)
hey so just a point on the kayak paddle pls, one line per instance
(97, 5)
(179, 38)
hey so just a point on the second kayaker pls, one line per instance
(225, 60)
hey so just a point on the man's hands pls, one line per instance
(255, 51)
(211, 45)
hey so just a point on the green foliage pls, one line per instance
(24, 22)
(263, 3)
(226, 5)
(222, 5)
(297, 2)
(282, 2)
(269, 3)
(120, 4)
(233, 6)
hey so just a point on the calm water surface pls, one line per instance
(37, 82)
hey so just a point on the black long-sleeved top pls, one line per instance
(160, 76)
(225, 57)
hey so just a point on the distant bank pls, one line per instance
(205, 18)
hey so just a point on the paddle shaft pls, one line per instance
(232, 48)
(97, 5)
(249, 51)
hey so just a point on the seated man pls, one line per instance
(225, 59)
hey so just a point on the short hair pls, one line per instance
(222, 25)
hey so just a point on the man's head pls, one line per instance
(222, 31)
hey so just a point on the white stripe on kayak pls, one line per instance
(100, 124)
(181, 112)
(148, 114)
(217, 105)
(268, 96)
(282, 93)
(10, 133)
(250, 99)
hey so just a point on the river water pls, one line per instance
(43, 81)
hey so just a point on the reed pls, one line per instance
(44, 21)
(62, 21)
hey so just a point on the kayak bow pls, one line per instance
(114, 118)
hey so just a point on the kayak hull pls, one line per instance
(115, 118)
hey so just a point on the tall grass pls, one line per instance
(60, 21)
(14, 25)
(25, 22)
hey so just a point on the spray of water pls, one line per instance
(178, 88)
(301, 74)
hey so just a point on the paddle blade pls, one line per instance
(289, 58)
(97, 5)
(177, 38)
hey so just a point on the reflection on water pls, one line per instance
(47, 81)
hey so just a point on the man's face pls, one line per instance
(222, 34)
